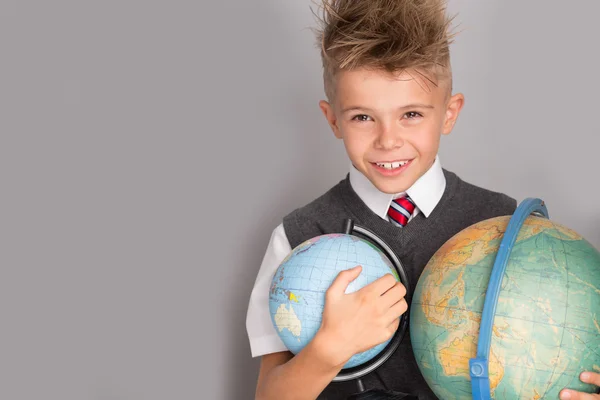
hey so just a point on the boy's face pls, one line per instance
(391, 125)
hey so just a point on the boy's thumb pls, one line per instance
(344, 278)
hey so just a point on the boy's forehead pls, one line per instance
(383, 87)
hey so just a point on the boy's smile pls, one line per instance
(391, 124)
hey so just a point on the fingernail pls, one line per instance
(585, 376)
(565, 395)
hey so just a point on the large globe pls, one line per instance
(297, 295)
(546, 329)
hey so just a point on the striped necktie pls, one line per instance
(400, 211)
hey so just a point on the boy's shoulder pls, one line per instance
(470, 198)
(317, 216)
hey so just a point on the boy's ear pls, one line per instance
(455, 104)
(331, 118)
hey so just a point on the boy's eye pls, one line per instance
(412, 115)
(361, 118)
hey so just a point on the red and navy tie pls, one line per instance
(400, 210)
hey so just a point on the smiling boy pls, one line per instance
(388, 84)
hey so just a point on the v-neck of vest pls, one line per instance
(416, 228)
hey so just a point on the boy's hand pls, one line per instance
(357, 321)
(587, 377)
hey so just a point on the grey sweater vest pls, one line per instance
(461, 205)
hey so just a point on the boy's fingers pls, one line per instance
(393, 295)
(567, 394)
(393, 327)
(590, 377)
(381, 285)
(343, 279)
(397, 309)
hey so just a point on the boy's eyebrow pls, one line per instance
(414, 105)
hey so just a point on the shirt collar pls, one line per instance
(426, 192)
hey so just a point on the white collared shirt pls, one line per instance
(426, 193)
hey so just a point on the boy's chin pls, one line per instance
(391, 186)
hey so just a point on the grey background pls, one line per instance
(148, 149)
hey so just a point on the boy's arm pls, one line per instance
(282, 376)
(285, 376)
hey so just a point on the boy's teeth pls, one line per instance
(392, 165)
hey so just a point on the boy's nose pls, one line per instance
(389, 138)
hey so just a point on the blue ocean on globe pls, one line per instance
(297, 294)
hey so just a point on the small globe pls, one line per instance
(297, 295)
(547, 324)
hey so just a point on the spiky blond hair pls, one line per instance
(390, 35)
